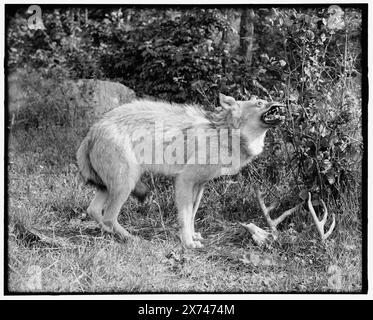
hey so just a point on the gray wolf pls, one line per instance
(165, 138)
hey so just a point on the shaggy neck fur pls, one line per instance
(222, 119)
(251, 144)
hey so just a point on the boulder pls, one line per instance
(103, 96)
(95, 96)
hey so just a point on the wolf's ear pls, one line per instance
(226, 102)
(230, 104)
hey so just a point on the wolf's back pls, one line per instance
(109, 140)
(87, 172)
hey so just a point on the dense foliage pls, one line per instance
(309, 58)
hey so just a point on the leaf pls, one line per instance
(293, 97)
(310, 35)
(326, 165)
(264, 57)
(303, 194)
(323, 131)
(330, 177)
(282, 63)
(287, 22)
(258, 85)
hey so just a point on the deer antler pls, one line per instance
(266, 210)
(320, 224)
(259, 235)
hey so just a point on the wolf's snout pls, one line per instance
(274, 115)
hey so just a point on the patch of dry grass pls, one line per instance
(45, 195)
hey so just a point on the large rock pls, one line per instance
(103, 95)
(92, 95)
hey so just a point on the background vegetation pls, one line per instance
(309, 58)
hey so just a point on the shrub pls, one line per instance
(308, 58)
(323, 132)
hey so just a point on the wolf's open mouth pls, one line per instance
(275, 115)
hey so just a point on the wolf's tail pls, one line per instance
(87, 172)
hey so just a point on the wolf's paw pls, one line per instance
(197, 244)
(193, 245)
(106, 228)
(122, 233)
(116, 229)
(197, 236)
(188, 241)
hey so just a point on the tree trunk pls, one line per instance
(247, 34)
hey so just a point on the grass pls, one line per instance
(71, 254)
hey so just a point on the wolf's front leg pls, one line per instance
(197, 195)
(184, 201)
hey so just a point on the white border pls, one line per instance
(200, 297)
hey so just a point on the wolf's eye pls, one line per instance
(260, 104)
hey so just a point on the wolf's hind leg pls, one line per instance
(197, 195)
(96, 207)
(184, 202)
(113, 205)
(119, 190)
